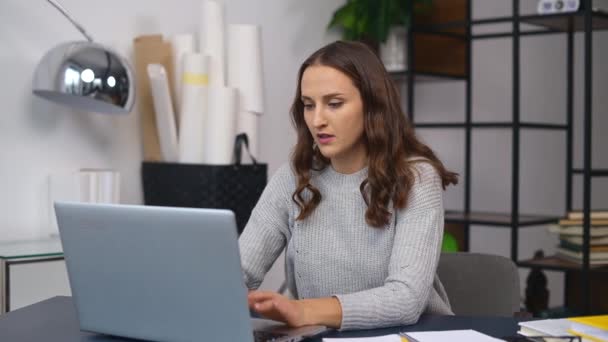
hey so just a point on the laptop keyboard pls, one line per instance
(267, 336)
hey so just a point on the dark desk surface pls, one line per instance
(55, 320)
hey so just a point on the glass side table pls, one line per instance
(24, 252)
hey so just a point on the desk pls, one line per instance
(24, 252)
(55, 320)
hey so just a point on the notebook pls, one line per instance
(590, 328)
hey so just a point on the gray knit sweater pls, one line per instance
(382, 277)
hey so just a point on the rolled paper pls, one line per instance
(245, 69)
(195, 80)
(108, 183)
(88, 186)
(180, 44)
(163, 107)
(220, 126)
(211, 40)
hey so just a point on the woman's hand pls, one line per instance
(296, 313)
(278, 307)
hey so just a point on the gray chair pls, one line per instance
(480, 284)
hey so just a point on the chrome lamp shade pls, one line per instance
(86, 76)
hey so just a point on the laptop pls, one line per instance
(161, 274)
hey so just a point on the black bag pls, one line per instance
(236, 187)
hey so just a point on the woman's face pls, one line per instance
(333, 111)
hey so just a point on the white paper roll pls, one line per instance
(211, 40)
(108, 182)
(180, 44)
(221, 119)
(61, 187)
(88, 186)
(85, 185)
(247, 122)
(99, 185)
(163, 108)
(245, 69)
(194, 108)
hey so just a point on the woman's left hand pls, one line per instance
(277, 307)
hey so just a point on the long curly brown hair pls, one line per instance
(388, 135)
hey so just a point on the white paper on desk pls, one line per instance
(211, 40)
(163, 107)
(385, 338)
(451, 335)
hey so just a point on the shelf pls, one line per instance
(546, 24)
(557, 264)
(496, 219)
(594, 172)
(561, 22)
(420, 76)
(527, 125)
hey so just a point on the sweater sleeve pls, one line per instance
(413, 262)
(267, 230)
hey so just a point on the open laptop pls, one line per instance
(160, 273)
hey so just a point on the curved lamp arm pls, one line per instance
(71, 19)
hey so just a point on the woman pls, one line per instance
(359, 210)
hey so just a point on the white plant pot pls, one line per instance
(393, 52)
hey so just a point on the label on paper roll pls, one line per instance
(195, 79)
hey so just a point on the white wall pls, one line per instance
(39, 138)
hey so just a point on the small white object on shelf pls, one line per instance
(557, 6)
(393, 52)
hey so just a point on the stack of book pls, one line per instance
(570, 230)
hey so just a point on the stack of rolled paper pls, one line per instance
(190, 111)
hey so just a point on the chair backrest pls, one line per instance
(480, 284)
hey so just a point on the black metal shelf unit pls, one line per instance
(586, 21)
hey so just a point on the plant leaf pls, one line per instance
(345, 16)
(373, 19)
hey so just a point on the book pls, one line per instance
(595, 259)
(561, 327)
(594, 222)
(545, 327)
(592, 256)
(593, 328)
(578, 240)
(579, 247)
(600, 321)
(578, 230)
(595, 215)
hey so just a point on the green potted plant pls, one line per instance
(381, 24)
